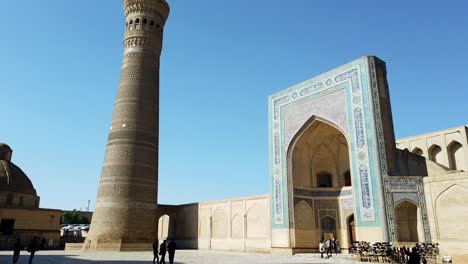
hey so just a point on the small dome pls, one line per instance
(4, 148)
(13, 179)
(5, 152)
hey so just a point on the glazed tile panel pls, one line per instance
(355, 117)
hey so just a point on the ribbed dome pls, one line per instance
(13, 179)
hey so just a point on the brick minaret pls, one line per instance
(125, 214)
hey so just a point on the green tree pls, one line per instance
(85, 220)
(71, 217)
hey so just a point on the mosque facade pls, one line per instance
(336, 169)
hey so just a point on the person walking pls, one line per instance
(43, 243)
(414, 257)
(16, 250)
(162, 252)
(171, 248)
(336, 246)
(155, 252)
(32, 248)
(328, 246)
(321, 248)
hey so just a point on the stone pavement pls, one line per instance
(182, 257)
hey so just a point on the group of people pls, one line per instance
(329, 246)
(407, 255)
(165, 247)
(32, 248)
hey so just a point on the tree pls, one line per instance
(71, 217)
(85, 220)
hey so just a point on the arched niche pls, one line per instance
(451, 213)
(257, 226)
(220, 224)
(406, 221)
(417, 151)
(319, 150)
(204, 228)
(304, 215)
(237, 227)
(435, 153)
(456, 156)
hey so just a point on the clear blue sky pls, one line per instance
(60, 63)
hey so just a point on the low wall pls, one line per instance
(238, 224)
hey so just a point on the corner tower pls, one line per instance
(125, 214)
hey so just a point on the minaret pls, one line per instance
(125, 214)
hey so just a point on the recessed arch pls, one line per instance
(451, 216)
(237, 227)
(417, 151)
(406, 221)
(314, 119)
(220, 224)
(456, 156)
(312, 124)
(323, 147)
(304, 215)
(256, 225)
(351, 226)
(435, 153)
(204, 228)
(164, 227)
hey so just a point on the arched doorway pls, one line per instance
(328, 227)
(319, 156)
(351, 229)
(406, 220)
(164, 227)
(319, 165)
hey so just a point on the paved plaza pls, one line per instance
(182, 257)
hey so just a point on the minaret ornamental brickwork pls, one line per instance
(125, 214)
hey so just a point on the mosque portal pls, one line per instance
(321, 178)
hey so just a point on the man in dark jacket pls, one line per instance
(171, 250)
(162, 252)
(155, 252)
(414, 257)
(16, 250)
(32, 248)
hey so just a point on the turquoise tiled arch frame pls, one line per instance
(365, 137)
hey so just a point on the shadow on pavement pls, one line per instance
(68, 259)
